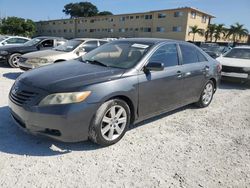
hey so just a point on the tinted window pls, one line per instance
(166, 54)
(201, 57)
(102, 42)
(90, 45)
(21, 41)
(189, 54)
(48, 43)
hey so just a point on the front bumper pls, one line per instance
(25, 66)
(67, 123)
(236, 72)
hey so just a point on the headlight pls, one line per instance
(65, 98)
(3, 52)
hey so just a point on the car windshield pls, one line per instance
(216, 49)
(241, 53)
(3, 38)
(69, 46)
(32, 42)
(119, 54)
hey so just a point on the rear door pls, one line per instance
(90, 45)
(195, 67)
(161, 90)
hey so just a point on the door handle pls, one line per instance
(206, 68)
(179, 74)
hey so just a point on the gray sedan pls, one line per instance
(120, 83)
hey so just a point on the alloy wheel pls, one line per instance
(207, 94)
(113, 122)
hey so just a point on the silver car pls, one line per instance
(72, 49)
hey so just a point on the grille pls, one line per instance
(232, 69)
(21, 97)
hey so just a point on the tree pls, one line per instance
(237, 31)
(219, 31)
(82, 9)
(195, 30)
(105, 13)
(17, 26)
(210, 32)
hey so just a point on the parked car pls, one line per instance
(111, 87)
(12, 40)
(72, 49)
(236, 63)
(216, 51)
(12, 53)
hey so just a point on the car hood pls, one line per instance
(43, 54)
(68, 76)
(234, 62)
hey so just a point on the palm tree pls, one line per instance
(210, 31)
(237, 31)
(219, 30)
(195, 30)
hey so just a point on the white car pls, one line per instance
(72, 49)
(12, 40)
(236, 63)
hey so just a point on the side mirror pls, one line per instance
(80, 51)
(4, 43)
(39, 46)
(154, 66)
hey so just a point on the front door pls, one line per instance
(160, 90)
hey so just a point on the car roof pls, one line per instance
(243, 47)
(83, 39)
(50, 37)
(153, 41)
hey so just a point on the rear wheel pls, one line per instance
(206, 95)
(13, 60)
(110, 122)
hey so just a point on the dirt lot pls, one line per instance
(190, 147)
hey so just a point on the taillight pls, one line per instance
(219, 68)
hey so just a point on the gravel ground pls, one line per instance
(189, 147)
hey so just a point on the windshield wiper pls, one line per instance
(95, 62)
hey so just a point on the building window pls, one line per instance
(160, 29)
(79, 30)
(111, 19)
(177, 28)
(54, 23)
(122, 19)
(161, 15)
(71, 31)
(204, 19)
(148, 17)
(193, 14)
(64, 22)
(65, 30)
(178, 14)
(131, 29)
(92, 21)
(121, 30)
(136, 29)
(147, 29)
(137, 17)
(131, 17)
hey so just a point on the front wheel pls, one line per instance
(206, 95)
(13, 60)
(110, 122)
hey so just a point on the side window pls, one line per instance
(48, 43)
(201, 57)
(11, 41)
(166, 54)
(21, 41)
(102, 42)
(188, 54)
(90, 45)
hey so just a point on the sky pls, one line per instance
(226, 11)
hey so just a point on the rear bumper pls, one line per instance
(67, 123)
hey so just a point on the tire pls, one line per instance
(13, 60)
(105, 128)
(206, 96)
